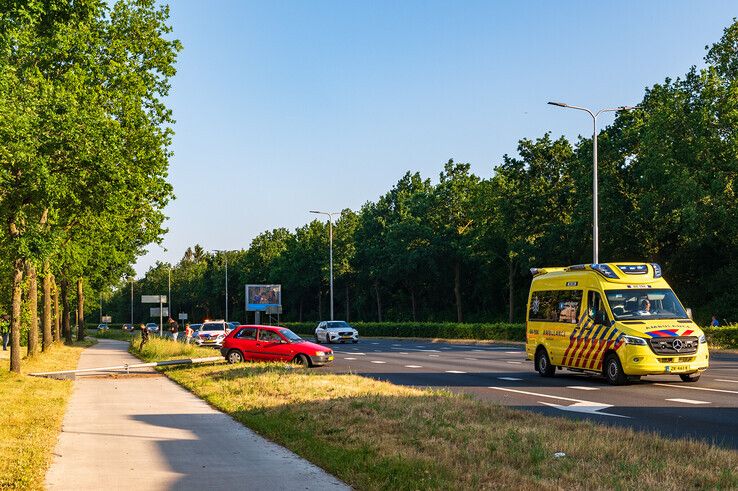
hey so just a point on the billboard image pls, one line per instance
(259, 297)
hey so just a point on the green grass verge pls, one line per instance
(32, 411)
(376, 435)
(160, 349)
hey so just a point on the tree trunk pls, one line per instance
(300, 309)
(15, 316)
(80, 309)
(379, 301)
(348, 309)
(511, 300)
(57, 318)
(47, 336)
(457, 292)
(320, 306)
(67, 316)
(413, 305)
(33, 309)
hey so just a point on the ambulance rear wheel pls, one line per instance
(613, 370)
(543, 363)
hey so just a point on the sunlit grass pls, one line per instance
(159, 349)
(32, 410)
(376, 435)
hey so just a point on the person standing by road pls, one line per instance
(173, 328)
(144, 337)
(714, 322)
(5, 330)
(188, 333)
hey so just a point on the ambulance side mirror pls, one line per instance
(689, 313)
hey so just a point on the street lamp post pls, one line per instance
(595, 207)
(226, 282)
(330, 248)
(131, 302)
(169, 293)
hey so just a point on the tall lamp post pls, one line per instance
(595, 207)
(226, 281)
(330, 235)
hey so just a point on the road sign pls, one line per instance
(154, 311)
(182, 316)
(153, 299)
(107, 318)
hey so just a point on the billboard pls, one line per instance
(259, 297)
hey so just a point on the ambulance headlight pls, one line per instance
(634, 340)
(703, 339)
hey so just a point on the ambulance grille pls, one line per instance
(686, 345)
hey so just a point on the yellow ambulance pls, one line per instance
(621, 320)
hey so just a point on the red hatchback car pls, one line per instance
(272, 343)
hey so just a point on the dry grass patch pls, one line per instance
(32, 410)
(376, 435)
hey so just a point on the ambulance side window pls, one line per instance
(555, 306)
(595, 306)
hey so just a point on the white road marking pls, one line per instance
(413, 366)
(699, 388)
(579, 405)
(420, 346)
(726, 380)
(581, 387)
(511, 379)
(454, 371)
(396, 345)
(471, 359)
(433, 356)
(515, 362)
(349, 358)
(514, 352)
(403, 353)
(359, 353)
(688, 401)
(430, 351)
(377, 361)
(375, 343)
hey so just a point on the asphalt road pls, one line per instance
(706, 410)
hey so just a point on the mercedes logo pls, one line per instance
(677, 345)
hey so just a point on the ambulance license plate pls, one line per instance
(678, 368)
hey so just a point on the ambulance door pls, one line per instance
(569, 311)
(595, 327)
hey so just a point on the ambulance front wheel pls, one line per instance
(543, 363)
(614, 370)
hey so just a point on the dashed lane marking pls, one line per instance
(471, 359)
(515, 362)
(413, 366)
(726, 380)
(349, 358)
(433, 356)
(454, 371)
(514, 352)
(581, 387)
(377, 361)
(688, 401)
(510, 379)
(724, 391)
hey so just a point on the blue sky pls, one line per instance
(287, 106)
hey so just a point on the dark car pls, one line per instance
(273, 343)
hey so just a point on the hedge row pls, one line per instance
(498, 331)
(722, 337)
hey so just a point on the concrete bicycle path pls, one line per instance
(142, 431)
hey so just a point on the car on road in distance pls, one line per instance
(152, 327)
(128, 327)
(336, 332)
(620, 320)
(273, 343)
(212, 333)
(102, 327)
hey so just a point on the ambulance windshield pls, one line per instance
(644, 304)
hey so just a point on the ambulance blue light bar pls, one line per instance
(604, 270)
(633, 268)
(656, 270)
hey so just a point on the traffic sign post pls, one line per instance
(161, 300)
(182, 316)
